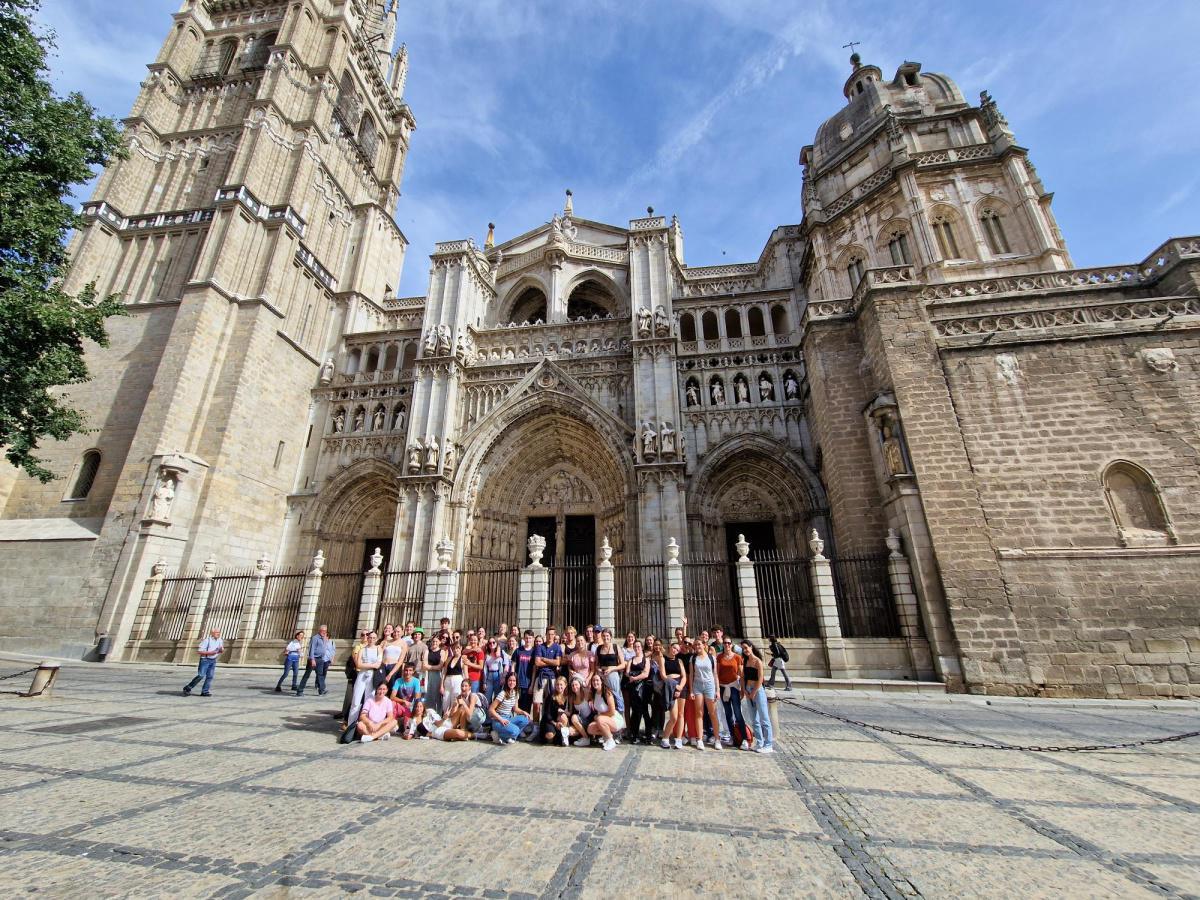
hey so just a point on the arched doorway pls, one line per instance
(356, 514)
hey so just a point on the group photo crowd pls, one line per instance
(575, 690)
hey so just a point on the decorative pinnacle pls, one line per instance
(649, 210)
(855, 59)
(490, 241)
(570, 206)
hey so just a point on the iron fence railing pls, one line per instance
(402, 598)
(225, 605)
(573, 594)
(280, 606)
(337, 607)
(709, 599)
(170, 615)
(487, 597)
(785, 596)
(864, 596)
(640, 591)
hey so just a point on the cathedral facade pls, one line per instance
(914, 383)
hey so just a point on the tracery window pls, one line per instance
(943, 230)
(993, 230)
(898, 248)
(687, 327)
(228, 49)
(855, 271)
(86, 476)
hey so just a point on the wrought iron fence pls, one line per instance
(640, 590)
(170, 615)
(225, 604)
(337, 607)
(487, 597)
(573, 593)
(864, 596)
(280, 606)
(785, 597)
(402, 598)
(709, 598)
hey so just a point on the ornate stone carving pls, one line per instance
(448, 457)
(429, 341)
(894, 544)
(742, 546)
(445, 550)
(741, 389)
(662, 323)
(537, 546)
(649, 441)
(672, 553)
(766, 390)
(1007, 369)
(414, 457)
(606, 552)
(379, 419)
(443, 340)
(326, 375)
(692, 392)
(562, 489)
(431, 453)
(816, 545)
(318, 563)
(717, 392)
(645, 322)
(263, 566)
(376, 561)
(339, 421)
(791, 387)
(666, 438)
(164, 496)
(1159, 359)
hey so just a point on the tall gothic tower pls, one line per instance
(251, 224)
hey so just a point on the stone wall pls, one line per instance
(43, 608)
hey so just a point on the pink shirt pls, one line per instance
(377, 710)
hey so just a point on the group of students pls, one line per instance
(580, 690)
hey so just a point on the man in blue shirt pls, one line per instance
(210, 648)
(522, 664)
(320, 655)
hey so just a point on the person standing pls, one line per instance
(521, 663)
(291, 661)
(417, 655)
(756, 697)
(729, 677)
(610, 664)
(779, 661)
(637, 689)
(320, 655)
(367, 661)
(210, 648)
(547, 659)
(703, 678)
(674, 679)
(435, 667)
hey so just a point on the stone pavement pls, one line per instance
(119, 786)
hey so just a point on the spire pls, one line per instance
(490, 241)
(400, 70)
(570, 207)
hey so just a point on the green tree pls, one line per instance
(47, 144)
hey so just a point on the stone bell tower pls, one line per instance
(250, 226)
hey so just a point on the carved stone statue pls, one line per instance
(645, 322)
(693, 394)
(741, 390)
(718, 393)
(443, 340)
(431, 453)
(791, 387)
(662, 324)
(339, 422)
(448, 457)
(766, 390)
(429, 344)
(893, 454)
(164, 496)
(327, 371)
(649, 441)
(461, 350)
(378, 420)
(414, 457)
(666, 439)
(359, 420)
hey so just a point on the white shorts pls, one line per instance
(539, 691)
(439, 733)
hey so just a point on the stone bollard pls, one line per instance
(43, 680)
(773, 711)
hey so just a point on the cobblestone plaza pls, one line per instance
(119, 786)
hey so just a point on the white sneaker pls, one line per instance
(665, 744)
(584, 741)
(716, 745)
(765, 750)
(566, 737)
(699, 745)
(496, 738)
(610, 744)
(678, 743)
(745, 745)
(366, 739)
(423, 737)
(386, 736)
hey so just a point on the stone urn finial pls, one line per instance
(159, 568)
(318, 563)
(672, 552)
(209, 567)
(445, 549)
(376, 560)
(263, 565)
(893, 544)
(537, 546)
(816, 545)
(605, 551)
(742, 546)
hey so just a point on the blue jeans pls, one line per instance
(613, 680)
(511, 731)
(290, 664)
(208, 665)
(762, 719)
(493, 683)
(733, 710)
(320, 666)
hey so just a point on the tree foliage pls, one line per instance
(47, 144)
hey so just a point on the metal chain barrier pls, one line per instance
(18, 675)
(977, 745)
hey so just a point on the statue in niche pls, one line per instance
(359, 419)
(645, 321)
(893, 453)
(717, 391)
(666, 439)
(693, 394)
(791, 387)
(414, 457)
(461, 350)
(327, 371)
(429, 345)
(431, 454)
(662, 324)
(448, 457)
(378, 420)
(164, 496)
(398, 418)
(766, 390)
(649, 440)
(339, 422)
(443, 340)
(741, 390)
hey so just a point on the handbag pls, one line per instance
(348, 735)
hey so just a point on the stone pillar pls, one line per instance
(606, 594)
(311, 595)
(533, 598)
(747, 591)
(675, 608)
(825, 597)
(252, 607)
(441, 589)
(150, 595)
(187, 650)
(907, 610)
(368, 608)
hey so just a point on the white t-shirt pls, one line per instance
(294, 648)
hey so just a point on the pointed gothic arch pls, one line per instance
(355, 506)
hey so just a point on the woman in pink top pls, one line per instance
(376, 719)
(581, 663)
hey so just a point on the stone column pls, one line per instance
(368, 608)
(907, 609)
(145, 614)
(311, 595)
(606, 594)
(251, 609)
(186, 651)
(441, 589)
(825, 597)
(675, 609)
(533, 598)
(747, 591)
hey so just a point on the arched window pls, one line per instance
(590, 298)
(228, 50)
(390, 357)
(372, 360)
(86, 476)
(353, 361)
(779, 321)
(530, 306)
(943, 230)
(410, 356)
(733, 324)
(758, 327)
(898, 248)
(368, 137)
(993, 230)
(854, 271)
(709, 321)
(687, 327)
(259, 52)
(1135, 504)
(347, 102)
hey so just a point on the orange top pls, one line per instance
(728, 671)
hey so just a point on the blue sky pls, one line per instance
(700, 107)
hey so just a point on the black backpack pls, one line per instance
(781, 651)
